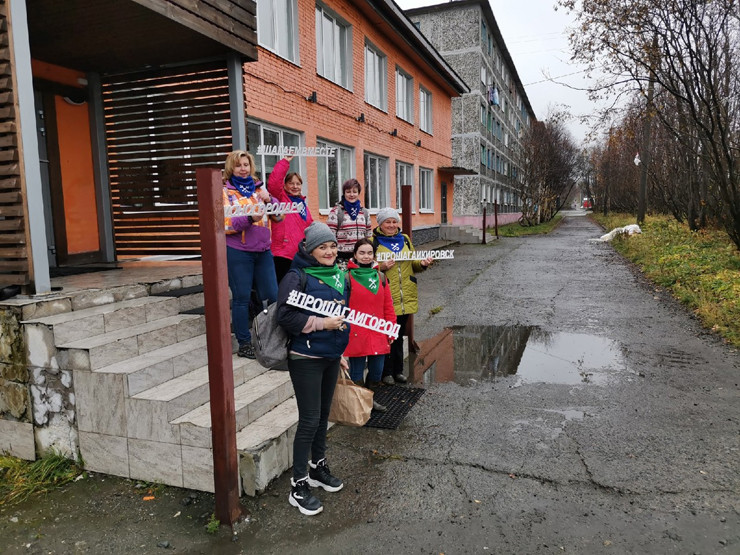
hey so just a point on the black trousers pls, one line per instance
(314, 380)
(394, 360)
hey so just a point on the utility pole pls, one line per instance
(646, 133)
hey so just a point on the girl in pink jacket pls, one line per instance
(287, 187)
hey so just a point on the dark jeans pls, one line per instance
(314, 380)
(248, 270)
(375, 365)
(394, 360)
(282, 267)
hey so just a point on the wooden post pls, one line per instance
(406, 227)
(495, 217)
(218, 338)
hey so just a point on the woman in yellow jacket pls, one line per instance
(387, 237)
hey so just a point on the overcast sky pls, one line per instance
(536, 37)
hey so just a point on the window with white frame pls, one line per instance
(426, 190)
(277, 27)
(404, 96)
(376, 182)
(270, 135)
(333, 48)
(376, 77)
(404, 176)
(425, 110)
(332, 172)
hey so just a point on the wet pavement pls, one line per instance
(571, 407)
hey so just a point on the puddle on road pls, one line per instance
(469, 354)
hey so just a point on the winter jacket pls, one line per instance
(320, 343)
(362, 341)
(348, 231)
(242, 233)
(286, 234)
(401, 276)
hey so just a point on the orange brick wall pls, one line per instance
(276, 91)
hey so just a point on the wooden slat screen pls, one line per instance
(160, 126)
(14, 266)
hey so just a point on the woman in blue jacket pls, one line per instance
(315, 355)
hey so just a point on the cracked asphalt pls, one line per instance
(646, 462)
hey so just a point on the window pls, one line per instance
(268, 135)
(404, 176)
(376, 78)
(332, 172)
(277, 27)
(376, 182)
(404, 96)
(426, 190)
(333, 48)
(425, 110)
(483, 114)
(483, 155)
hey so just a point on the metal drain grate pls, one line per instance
(398, 400)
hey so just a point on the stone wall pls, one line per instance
(425, 235)
(16, 428)
(37, 401)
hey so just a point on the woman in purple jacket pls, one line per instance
(248, 255)
(287, 187)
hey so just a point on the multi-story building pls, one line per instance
(359, 77)
(487, 122)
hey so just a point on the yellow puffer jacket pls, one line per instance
(401, 277)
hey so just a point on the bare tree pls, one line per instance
(689, 50)
(549, 158)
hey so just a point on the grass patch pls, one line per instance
(516, 230)
(213, 524)
(700, 268)
(20, 479)
(435, 310)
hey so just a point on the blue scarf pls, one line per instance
(394, 243)
(351, 208)
(302, 202)
(245, 186)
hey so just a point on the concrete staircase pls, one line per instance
(140, 378)
(464, 234)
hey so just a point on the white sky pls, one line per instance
(536, 37)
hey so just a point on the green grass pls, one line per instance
(20, 479)
(516, 230)
(213, 524)
(701, 269)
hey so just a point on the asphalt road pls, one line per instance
(613, 429)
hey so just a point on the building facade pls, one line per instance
(358, 77)
(488, 121)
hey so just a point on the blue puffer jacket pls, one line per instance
(321, 343)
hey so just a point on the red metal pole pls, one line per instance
(484, 224)
(495, 217)
(406, 225)
(218, 338)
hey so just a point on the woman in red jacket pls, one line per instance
(287, 187)
(370, 294)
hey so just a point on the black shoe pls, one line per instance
(400, 378)
(320, 477)
(300, 496)
(246, 351)
(388, 380)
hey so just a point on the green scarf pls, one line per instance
(330, 275)
(367, 277)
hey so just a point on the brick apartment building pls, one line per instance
(488, 121)
(360, 77)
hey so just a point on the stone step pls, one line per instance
(160, 365)
(189, 298)
(266, 447)
(255, 397)
(153, 414)
(105, 349)
(96, 320)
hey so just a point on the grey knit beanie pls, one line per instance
(316, 234)
(385, 213)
